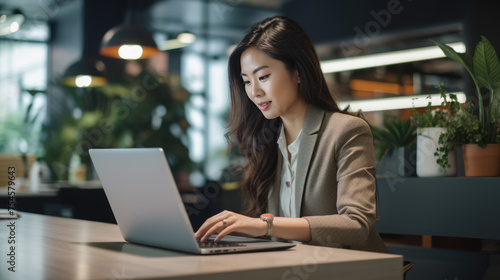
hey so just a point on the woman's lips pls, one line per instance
(264, 106)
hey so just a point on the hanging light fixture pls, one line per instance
(388, 58)
(186, 37)
(10, 21)
(182, 40)
(128, 41)
(84, 73)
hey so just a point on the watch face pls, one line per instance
(267, 215)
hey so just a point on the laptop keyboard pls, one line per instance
(212, 244)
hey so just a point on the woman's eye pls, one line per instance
(246, 83)
(264, 77)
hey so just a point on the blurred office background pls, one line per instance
(178, 98)
(57, 34)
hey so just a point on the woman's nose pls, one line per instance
(256, 90)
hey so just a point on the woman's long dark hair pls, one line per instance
(282, 39)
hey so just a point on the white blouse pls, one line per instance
(288, 168)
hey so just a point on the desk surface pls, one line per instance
(60, 248)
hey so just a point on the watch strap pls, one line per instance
(268, 218)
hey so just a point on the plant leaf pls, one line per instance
(494, 106)
(486, 65)
(467, 61)
(463, 58)
(393, 131)
(410, 136)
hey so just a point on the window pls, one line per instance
(207, 109)
(23, 81)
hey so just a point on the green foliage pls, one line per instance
(438, 117)
(394, 134)
(451, 116)
(20, 129)
(467, 127)
(484, 69)
(142, 111)
(463, 128)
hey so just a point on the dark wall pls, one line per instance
(66, 47)
(482, 20)
(327, 20)
(66, 37)
(99, 17)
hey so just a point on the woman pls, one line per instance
(310, 173)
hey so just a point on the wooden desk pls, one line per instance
(61, 248)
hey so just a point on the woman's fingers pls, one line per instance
(228, 222)
(225, 231)
(216, 228)
(211, 224)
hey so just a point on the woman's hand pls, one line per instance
(229, 222)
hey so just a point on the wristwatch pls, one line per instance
(268, 218)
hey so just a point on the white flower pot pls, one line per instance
(427, 143)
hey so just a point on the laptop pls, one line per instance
(148, 207)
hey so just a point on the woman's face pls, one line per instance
(272, 87)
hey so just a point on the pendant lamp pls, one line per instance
(10, 21)
(84, 73)
(128, 41)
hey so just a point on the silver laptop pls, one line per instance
(148, 207)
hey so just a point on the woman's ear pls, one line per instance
(297, 75)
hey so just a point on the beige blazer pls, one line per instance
(335, 181)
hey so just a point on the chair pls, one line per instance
(407, 265)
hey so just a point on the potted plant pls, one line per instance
(395, 148)
(146, 110)
(430, 124)
(477, 127)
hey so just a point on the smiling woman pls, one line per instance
(310, 172)
(272, 87)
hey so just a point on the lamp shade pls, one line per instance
(83, 73)
(10, 22)
(128, 42)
